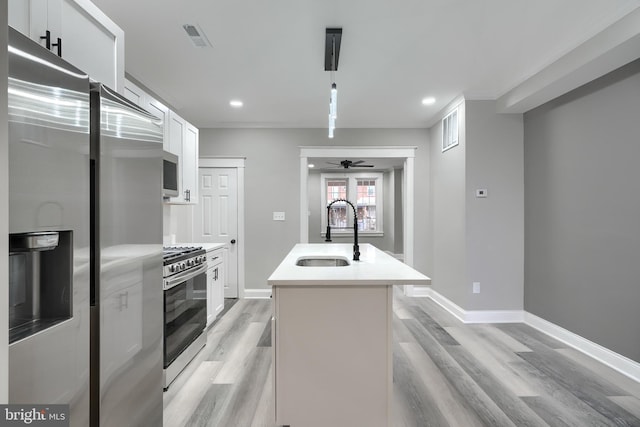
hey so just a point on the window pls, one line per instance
(338, 215)
(364, 190)
(450, 131)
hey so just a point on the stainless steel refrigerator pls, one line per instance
(85, 243)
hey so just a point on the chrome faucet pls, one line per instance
(356, 248)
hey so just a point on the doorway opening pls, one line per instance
(402, 153)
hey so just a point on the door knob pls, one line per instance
(233, 241)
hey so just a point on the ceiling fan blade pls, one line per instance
(357, 162)
(362, 166)
(334, 164)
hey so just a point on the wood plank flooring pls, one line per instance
(446, 373)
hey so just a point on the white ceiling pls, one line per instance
(270, 54)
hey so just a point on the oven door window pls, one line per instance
(185, 315)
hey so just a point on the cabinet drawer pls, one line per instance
(214, 258)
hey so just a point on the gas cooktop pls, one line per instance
(177, 259)
(171, 254)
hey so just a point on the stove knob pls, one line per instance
(172, 268)
(182, 266)
(201, 259)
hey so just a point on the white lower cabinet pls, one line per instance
(215, 283)
(332, 358)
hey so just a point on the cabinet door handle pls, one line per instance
(47, 38)
(59, 46)
(187, 195)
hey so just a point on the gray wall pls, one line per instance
(479, 240)
(582, 204)
(398, 223)
(494, 225)
(4, 212)
(448, 205)
(272, 183)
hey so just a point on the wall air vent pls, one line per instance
(196, 35)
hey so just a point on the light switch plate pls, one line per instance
(476, 287)
(278, 216)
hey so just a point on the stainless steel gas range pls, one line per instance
(185, 307)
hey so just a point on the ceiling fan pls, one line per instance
(351, 164)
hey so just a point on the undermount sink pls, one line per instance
(320, 261)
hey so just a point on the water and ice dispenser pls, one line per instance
(40, 281)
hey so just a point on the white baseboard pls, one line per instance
(616, 361)
(470, 316)
(257, 293)
(602, 354)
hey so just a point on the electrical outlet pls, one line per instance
(482, 193)
(278, 216)
(476, 287)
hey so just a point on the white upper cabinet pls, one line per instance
(161, 111)
(138, 96)
(177, 127)
(134, 93)
(190, 163)
(183, 142)
(180, 138)
(77, 31)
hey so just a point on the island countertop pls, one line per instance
(374, 268)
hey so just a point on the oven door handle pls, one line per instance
(184, 276)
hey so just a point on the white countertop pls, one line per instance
(374, 268)
(206, 246)
(211, 246)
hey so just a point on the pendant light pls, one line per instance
(333, 38)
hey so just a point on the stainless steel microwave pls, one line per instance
(170, 170)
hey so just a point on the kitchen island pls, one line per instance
(332, 335)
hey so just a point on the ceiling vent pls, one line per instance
(196, 35)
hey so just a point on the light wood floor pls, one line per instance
(445, 374)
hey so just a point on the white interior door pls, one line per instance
(216, 217)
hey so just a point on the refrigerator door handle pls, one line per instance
(124, 300)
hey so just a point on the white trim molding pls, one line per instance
(257, 293)
(470, 316)
(406, 152)
(616, 361)
(602, 354)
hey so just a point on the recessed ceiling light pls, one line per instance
(428, 101)
(311, 165)
(235, 103)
